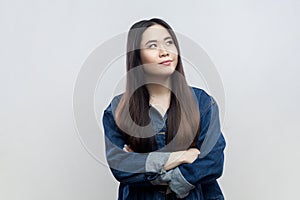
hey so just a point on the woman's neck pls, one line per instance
(158, 86)
(156, 90)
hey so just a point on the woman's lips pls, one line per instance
(167, 62)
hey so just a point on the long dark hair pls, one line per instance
(183, 122)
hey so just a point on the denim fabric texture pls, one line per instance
(141, 175)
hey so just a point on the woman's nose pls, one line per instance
(163, 52)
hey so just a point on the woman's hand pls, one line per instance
(179, 157)
(190, 155)
(174, 160)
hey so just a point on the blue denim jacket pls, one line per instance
(141, 175)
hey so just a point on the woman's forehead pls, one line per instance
(155, 32)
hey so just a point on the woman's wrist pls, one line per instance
(180, 157)
(174, 160)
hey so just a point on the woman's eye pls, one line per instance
(170, 42)
(152, 46)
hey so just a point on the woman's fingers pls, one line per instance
(126, 148)
(194, 150)
(191, 155)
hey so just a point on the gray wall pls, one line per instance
(253, 44)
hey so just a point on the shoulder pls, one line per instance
(205, 101)
(114, 104)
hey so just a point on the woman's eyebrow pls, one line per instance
(166, 38)
(150, 41)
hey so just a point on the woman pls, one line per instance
(157, 128)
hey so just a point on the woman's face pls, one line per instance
(158, 52)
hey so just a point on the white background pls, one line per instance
(254, 45)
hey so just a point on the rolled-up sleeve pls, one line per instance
(155, 161)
